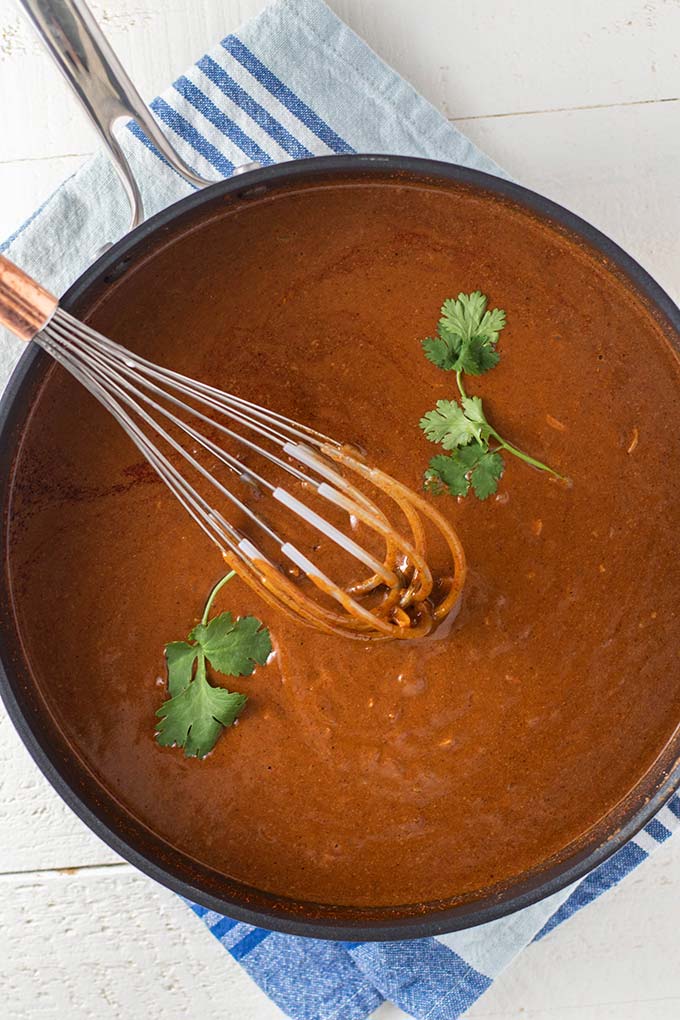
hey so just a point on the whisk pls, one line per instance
(177, 422)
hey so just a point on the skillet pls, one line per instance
(99, 79)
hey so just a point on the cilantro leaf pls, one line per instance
(472, 464)
(196, 712)
(486, 474)
(463, 314)
(443, 350)
(447, 472)
(477, 356)
(491, 325)
(466, 335)
(194, 718)
(233, 646)
(449, 425)
(474, 411)
(454, 425)
(180, 658)
(470, 456)
(467, 316)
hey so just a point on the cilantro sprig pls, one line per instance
(467, 334)
(196, 712)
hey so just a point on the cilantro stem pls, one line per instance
(211, 597)
(516, 452)
(459, 380)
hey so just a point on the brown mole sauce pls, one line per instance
(389, 773)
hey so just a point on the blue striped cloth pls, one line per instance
(296, 83)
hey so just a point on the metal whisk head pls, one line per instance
(236, 454)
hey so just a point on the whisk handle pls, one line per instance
(25, 306)
(87, 61)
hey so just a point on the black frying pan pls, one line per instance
(98, 79)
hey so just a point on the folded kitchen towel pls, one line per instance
(296, 82)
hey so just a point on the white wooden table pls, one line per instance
(579, 100)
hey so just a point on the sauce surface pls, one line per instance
(375, 774)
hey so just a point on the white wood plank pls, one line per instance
(110, 945)
(492, 56)
(473, 59)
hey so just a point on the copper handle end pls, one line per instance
(25, 306)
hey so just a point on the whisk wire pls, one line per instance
(121, 382)
(154, 404)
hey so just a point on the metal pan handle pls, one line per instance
(85, 58)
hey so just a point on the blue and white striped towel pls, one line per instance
(296, 82)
